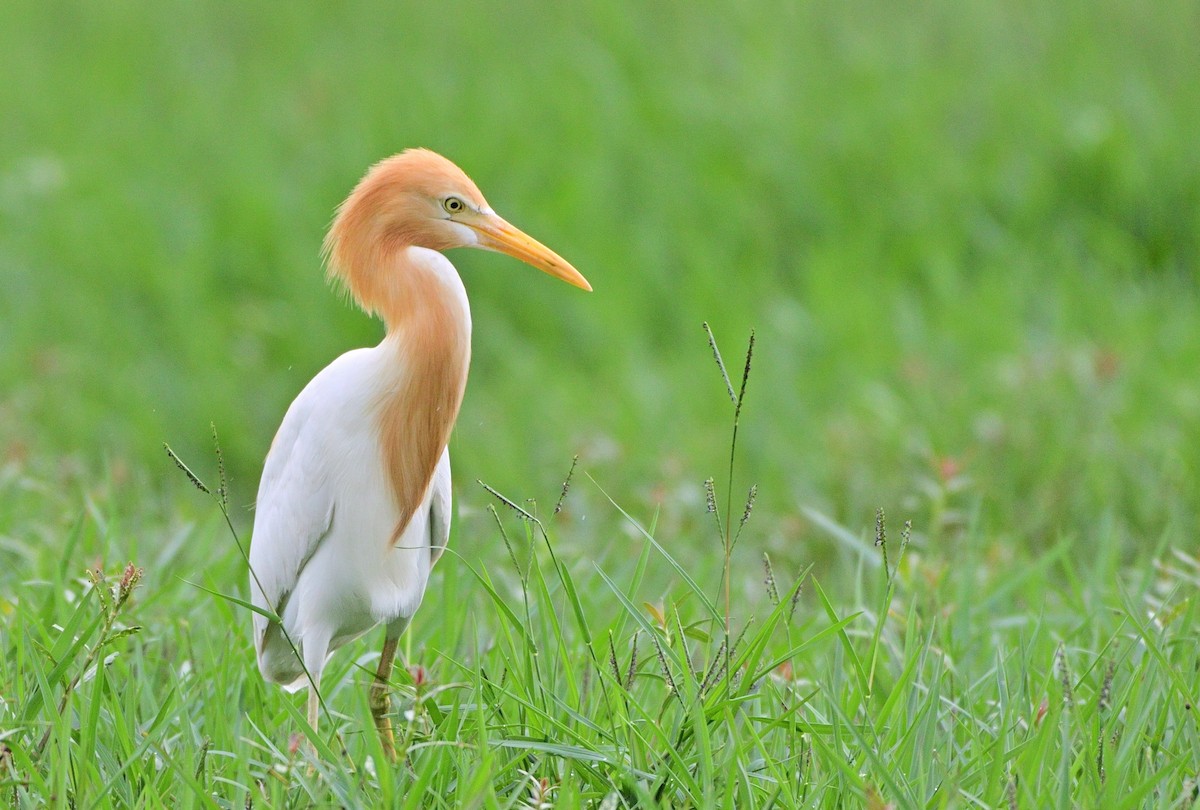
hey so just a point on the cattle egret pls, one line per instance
(354, 505)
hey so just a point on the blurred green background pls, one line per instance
(967, 234)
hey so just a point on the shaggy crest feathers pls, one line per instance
(395, 205)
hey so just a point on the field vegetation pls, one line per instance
(947, 559)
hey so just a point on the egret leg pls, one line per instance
(314, 706)
(316, 650)
(380, 694)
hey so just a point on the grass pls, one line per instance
(556, 679)
(966, 237)
(548, 678)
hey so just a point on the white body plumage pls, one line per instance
(320, 554)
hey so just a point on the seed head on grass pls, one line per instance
(1064, 675)
(795, 600)
(666, 669)
(612, 658)
(710, 506)
(745, 376)
(129, 579)
(525, 515)
(566, 487)
(715, 668)
(633, 660)
(881, 540)
(750, 498)
(223, 483)
(769, 581)
(737, 642)
(196, 482)
(627, 679)
(512, 555)
(712, 344)
(100, 586)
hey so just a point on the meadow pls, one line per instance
(965, 236)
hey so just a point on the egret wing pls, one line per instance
(293, 514)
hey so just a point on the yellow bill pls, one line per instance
(498, 235)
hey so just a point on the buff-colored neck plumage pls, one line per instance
(392, 209)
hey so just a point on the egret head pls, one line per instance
(420, 199)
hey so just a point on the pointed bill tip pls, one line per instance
(498, 235)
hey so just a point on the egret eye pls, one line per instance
(454, 205)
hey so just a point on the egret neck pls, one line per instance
(428, 322)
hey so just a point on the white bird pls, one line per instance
(354, 504)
